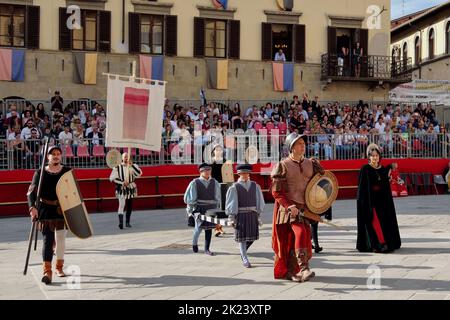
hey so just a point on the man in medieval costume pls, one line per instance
(244, 205)
(50, 217)
(202, 194)
(291, 231)
(124, 176)
(377, 220)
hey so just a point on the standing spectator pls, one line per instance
(279, 56)
(357, 59)
(57, 102)
(83, 114)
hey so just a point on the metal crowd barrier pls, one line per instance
(238, 147)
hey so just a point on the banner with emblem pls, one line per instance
(134, 113)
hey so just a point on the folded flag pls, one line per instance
(283, 76)
(151, 67)
(85, 68)
(220, 4)
(217, 73)
(12, 65)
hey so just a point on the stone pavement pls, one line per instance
(154, 260)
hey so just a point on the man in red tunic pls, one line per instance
(291, 232)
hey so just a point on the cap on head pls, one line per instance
(244, 168)
(204, 167)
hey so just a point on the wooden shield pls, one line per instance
(227, 172)
(72, 206)
(113, 158)
(321, 192)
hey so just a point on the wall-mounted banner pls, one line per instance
(85, 68)
(134, 114)
(286, 5)
(151, 67)
(12, 65)
(422, 91)
(220, 4)
(283, 76)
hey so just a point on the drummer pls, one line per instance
(202, 194)
(244, 204)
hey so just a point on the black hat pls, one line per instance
(50, 149)
(244, 168)
(204, 166)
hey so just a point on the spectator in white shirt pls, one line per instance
(279, 56)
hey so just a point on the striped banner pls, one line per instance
(85, 68)
(12, 65)
(217, 74)
(134, 114)
(283, 76)
(151, 67)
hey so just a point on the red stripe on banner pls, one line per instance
(135, 113)
(5, 64)
(278, 71)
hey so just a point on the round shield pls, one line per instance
(113, 158)
(321, 192)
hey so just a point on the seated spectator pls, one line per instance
(279, 56)
(40, 111)
(95, 138)
(398, 186)
(26, 131)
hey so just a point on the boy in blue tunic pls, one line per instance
(202, 194)
(244, 204)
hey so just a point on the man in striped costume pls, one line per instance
(202, 194)
(244, 205)
(124, 176)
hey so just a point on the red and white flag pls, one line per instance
(134, 114)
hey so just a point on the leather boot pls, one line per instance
(127, 224)
(59, 268)
(292, 264)
(47, 267)
(120, 221)
(304, 273)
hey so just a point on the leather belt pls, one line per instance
(50, 202)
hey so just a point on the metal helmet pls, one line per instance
(292, 138)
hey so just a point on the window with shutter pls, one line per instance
(33, 27)
(105, 31)
(12, 25)
(300, 43)
(199, 37)
(266, 41)
(65, 36)
(151, 33)
(134, 33)
(234, 39)
(215, 38)
(171, 35)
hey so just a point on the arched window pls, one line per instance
(447, 38)
(417, 50)
(405, 51)
(431, 44)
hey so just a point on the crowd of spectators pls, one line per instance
(347, 127)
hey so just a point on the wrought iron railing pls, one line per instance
(372, 67)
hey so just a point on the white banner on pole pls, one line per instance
(134, 114)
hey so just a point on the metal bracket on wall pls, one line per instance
(237, 72)
(196, 70)
(173, 69)
(264, 73)
(35, 63)
(62, 65)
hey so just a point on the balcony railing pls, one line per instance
(373, 68)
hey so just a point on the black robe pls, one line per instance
(374, 192)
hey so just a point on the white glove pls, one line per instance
(260, 222)
(232, 220)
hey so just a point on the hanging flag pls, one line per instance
(134, 114)
(85, 68)
(12, 65)
(283, 76)
(151, 67)
(220, 4)
(217, 73)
